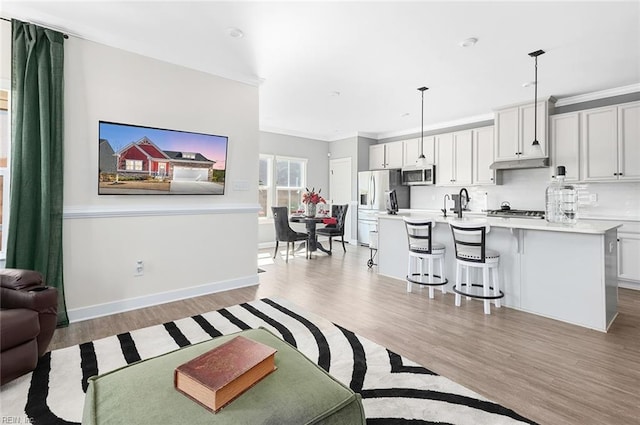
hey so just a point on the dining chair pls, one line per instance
(340, 214)
(284, 232)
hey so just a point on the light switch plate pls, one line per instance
(240, 185)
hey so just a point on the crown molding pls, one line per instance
(438, 126)
(295, 133)
(602, 94)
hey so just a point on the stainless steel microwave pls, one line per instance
(419, 176)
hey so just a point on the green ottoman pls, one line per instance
(298, 392)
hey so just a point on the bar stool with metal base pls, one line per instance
(469, 241)
(422, 249)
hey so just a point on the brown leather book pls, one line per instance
(218, 376)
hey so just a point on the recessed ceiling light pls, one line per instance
(529, 84)
(335, 93)
(406, 114)
(468, 42)
(235, 32)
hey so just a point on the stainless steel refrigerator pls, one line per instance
(372, 186)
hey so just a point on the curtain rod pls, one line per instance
(66, 36)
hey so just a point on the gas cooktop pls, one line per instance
(515, 213)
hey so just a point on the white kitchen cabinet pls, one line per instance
(411, 151)
(565, 144)
(514, 131)
(385, 155)
(393, 154)
(483, 156)
(413, 148)
(629, 141)
(609, 143)
(599, 153)
(629, 252)
(454, 158)
(376, 157)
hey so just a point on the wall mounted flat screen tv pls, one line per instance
(137, 160)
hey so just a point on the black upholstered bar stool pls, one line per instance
(469, 241)
(422, 249)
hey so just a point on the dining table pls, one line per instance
(310, 224)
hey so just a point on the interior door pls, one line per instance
(340, 191)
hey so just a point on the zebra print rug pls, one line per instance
(394, 390)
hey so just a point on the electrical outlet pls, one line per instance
(139, 270)
(593, 198)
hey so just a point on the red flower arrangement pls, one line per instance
(311, 197)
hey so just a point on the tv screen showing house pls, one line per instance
(138, 160)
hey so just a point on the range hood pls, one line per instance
(520, 163)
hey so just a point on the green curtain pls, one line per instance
(35, 212)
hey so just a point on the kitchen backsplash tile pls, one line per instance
(525, 189)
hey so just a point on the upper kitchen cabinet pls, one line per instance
(385, 155)
(376, 157)
(414, 147)
(514, 131)
(565, 144)
(629, 141)
(609, 143)
(483, 156)
(454, 158)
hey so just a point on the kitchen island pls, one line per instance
(564, 272)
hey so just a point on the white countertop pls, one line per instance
(587, 227)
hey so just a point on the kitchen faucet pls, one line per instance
(459, 206)
(444, 201)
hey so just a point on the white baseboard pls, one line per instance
(264, 245)
(629, 285)
(100, 310)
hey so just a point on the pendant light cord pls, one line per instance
(535, 97)
(535, 106)
(422, 127)
(422, 89)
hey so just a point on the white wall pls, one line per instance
(189, 244)
(317, 170)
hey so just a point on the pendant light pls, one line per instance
(422, 160)
(535, 144)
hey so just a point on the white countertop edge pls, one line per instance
(591, 227)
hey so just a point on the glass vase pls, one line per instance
(311, 210)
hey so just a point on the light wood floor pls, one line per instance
(549, 371)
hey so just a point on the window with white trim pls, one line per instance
(133, 165)
(281, 182)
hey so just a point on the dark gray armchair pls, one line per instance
(340, 213)
(284, 232)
